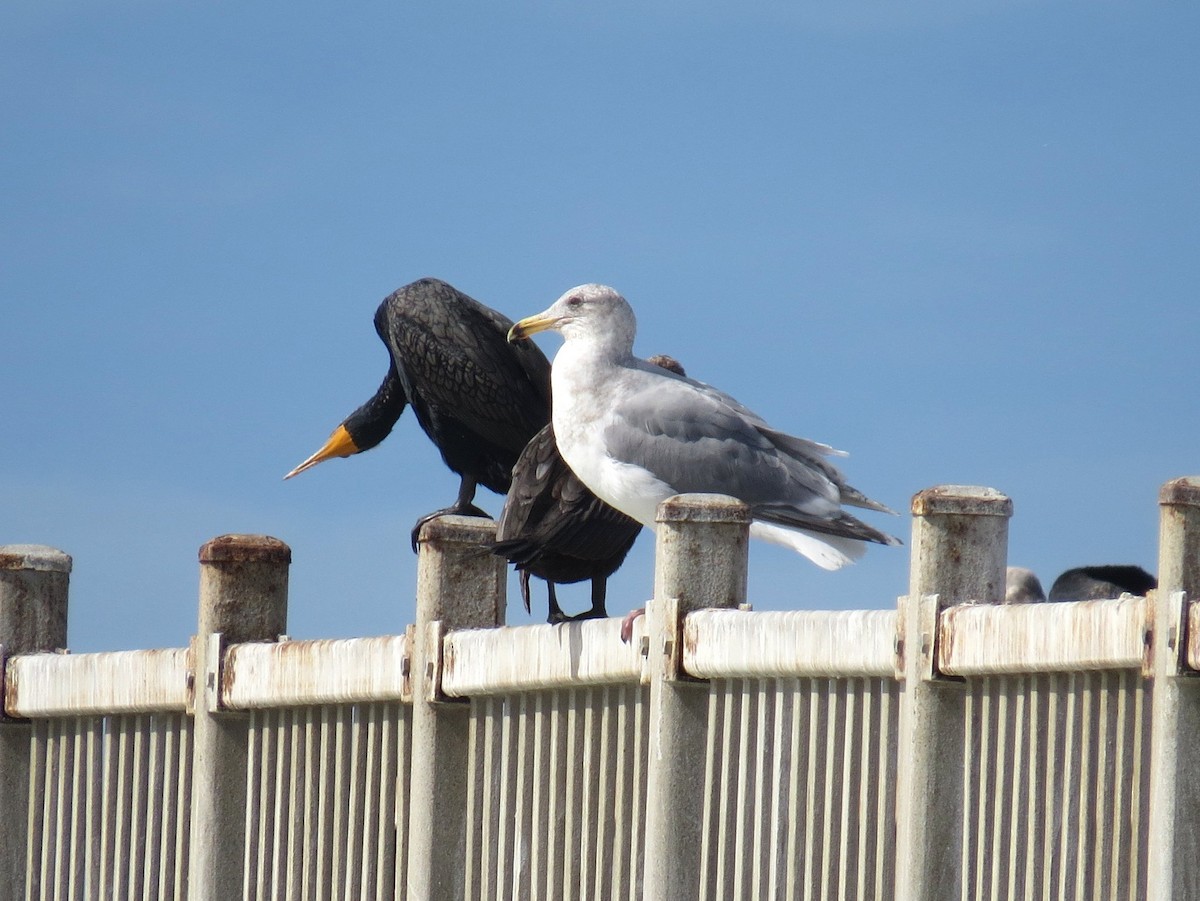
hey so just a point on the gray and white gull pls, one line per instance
(636, 434)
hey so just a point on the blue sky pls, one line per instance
(958, 240)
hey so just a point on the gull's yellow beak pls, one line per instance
(340, 444)
(531, 325)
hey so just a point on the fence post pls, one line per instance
(33, 617)
(700, 561)
(1173, 867)
(459, 586)
(243, 597)
(959, 551)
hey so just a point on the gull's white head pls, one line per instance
(596, 313)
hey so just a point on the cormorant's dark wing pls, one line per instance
(454, 358)
(549, 510)
(1094, 583)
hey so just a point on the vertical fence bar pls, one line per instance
(461, 586)
(959, 552)
(33, 617)
(1174, 830)
(243, 597)
(700, 561)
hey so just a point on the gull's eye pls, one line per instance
(574, 301)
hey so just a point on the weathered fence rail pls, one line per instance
(950, 748)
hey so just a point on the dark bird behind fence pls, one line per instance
(555, 528)
(1096, 583)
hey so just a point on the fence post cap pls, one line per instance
(1183, 492)
(964, 500)
(451, 528)
(245, 549)
(34, 556)
(716, 508)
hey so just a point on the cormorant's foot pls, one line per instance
(468, 510)
(628, 621)
(557, 616)
(456, 510)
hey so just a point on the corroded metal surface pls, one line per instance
(41, 685)
(987, 639)
(245, 549)
(1193, 635)
(731, 643)
(38, 557)
(968, 500)
(260, 675)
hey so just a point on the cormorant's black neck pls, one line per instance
(373, 421)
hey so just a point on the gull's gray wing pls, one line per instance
(808, 453)
(691, 439)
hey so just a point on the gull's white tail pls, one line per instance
(827, 551)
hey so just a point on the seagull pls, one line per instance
(636, 434)
(553, 527)
(1022, 586)
(479, 399)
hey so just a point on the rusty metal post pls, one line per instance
(243, 597)
(959, 552)
(33, 617)
(1173, 867)
(700, 562)
(460, 585)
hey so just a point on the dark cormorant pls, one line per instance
(478, 398)
(1098, 583)
(553, 527)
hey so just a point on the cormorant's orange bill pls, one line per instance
(340, 444)
(531, 325)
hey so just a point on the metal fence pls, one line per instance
(951, 748)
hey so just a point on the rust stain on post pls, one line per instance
(1193, 635)
(971, 500)
(469, 530)
(10, 692)
(703, 508)
(38, 557)
(1183, 492)
(945, 637)
(245, 549)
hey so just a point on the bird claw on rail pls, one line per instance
(456, 510)
(628, 621)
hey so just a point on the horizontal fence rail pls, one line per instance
(950, 748)
(264, 675)
(720, 643)
(987, 639)
(477, 662)
(40, 685)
